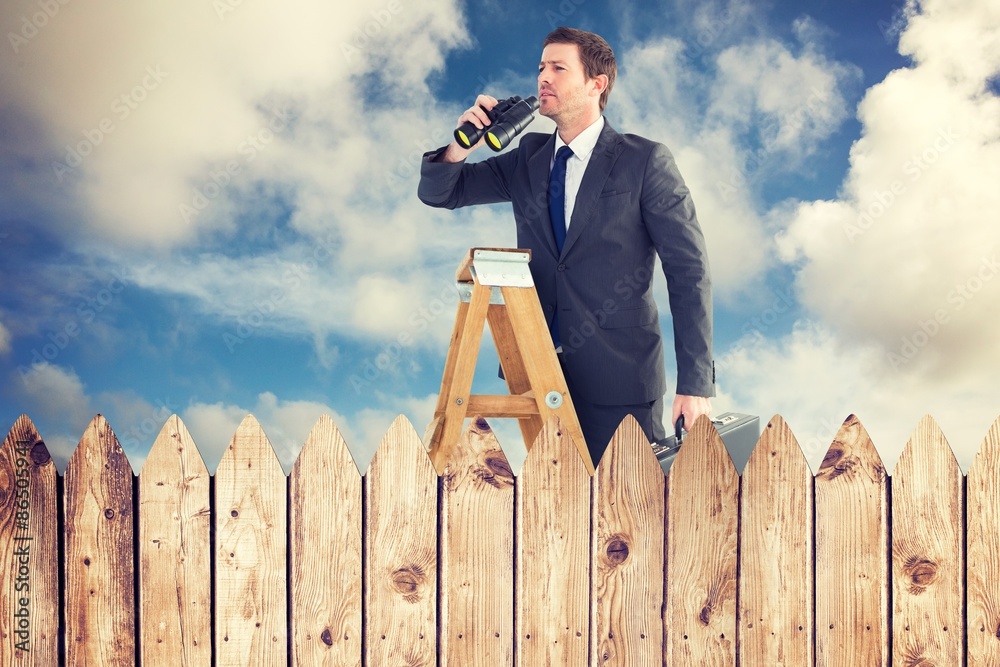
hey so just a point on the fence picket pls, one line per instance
(401, 494)
(175, 593)
(477, 553)
(927, 545)
(552, 557)
(702, 537)
(29, 550)
(100, 586)
(250, 572)
(776, 553)
(852, 540)
(627, 520)
(984, 553)
(325, 513)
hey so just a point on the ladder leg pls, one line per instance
(459, 378)
(514, 371)
(540, 362)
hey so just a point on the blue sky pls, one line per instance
(209, 208)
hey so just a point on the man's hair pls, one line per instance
(595, 54)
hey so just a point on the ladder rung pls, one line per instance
(512, 407)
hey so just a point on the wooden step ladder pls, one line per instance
(495, 285)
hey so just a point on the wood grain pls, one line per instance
(627, 520)
(983, 544)
(552, 557)
(477, 553)
(776, 553)
(100, 583)
(401, 499)
(852, 543)
(175, 574)
(703, 502)
(250, 533)
(927, 551)
(29, 550)
(325, 510)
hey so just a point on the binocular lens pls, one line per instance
(509, 117)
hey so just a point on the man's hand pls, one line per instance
(691, 407)
(476, 114)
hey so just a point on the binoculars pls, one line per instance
(507, 119)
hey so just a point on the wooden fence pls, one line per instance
(477, 567)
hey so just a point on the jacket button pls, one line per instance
(561, 267)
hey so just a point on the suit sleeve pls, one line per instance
(669, 215)
(457, 184)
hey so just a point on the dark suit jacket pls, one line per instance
(632, 203)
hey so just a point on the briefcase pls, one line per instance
(739, 433)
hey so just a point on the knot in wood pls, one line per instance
(109, 514)
(832, 457)
(40, 454)
(837, 463)
(705, 617)
(617, 550)
(327, 637)
(921, 572)
(407, 582)
(500, 469)
(482, 425)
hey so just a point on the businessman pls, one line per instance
(596, 207)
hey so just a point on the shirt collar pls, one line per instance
(584, 142)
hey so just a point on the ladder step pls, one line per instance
(512, 407)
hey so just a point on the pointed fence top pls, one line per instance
(778, 441)
(250, 444)
(927, 450)
(99, 441)
(851, 453)
(480, 452)
(554, 446)
(23, 435)
(703, 449)
(325, 442)
(173, 443)
(401, 440)
(989, 453)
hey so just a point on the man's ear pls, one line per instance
(598, 85)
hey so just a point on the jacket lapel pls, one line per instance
(538, 176)
(602, 160)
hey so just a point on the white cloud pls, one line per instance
(909, 251)
(791, 101)
(152, 112)
(5, 340)
(900, 273)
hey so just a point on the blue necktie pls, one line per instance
(557, 195)
(557, 212)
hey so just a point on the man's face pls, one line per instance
(564, 92)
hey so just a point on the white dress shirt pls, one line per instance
(582, 147)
